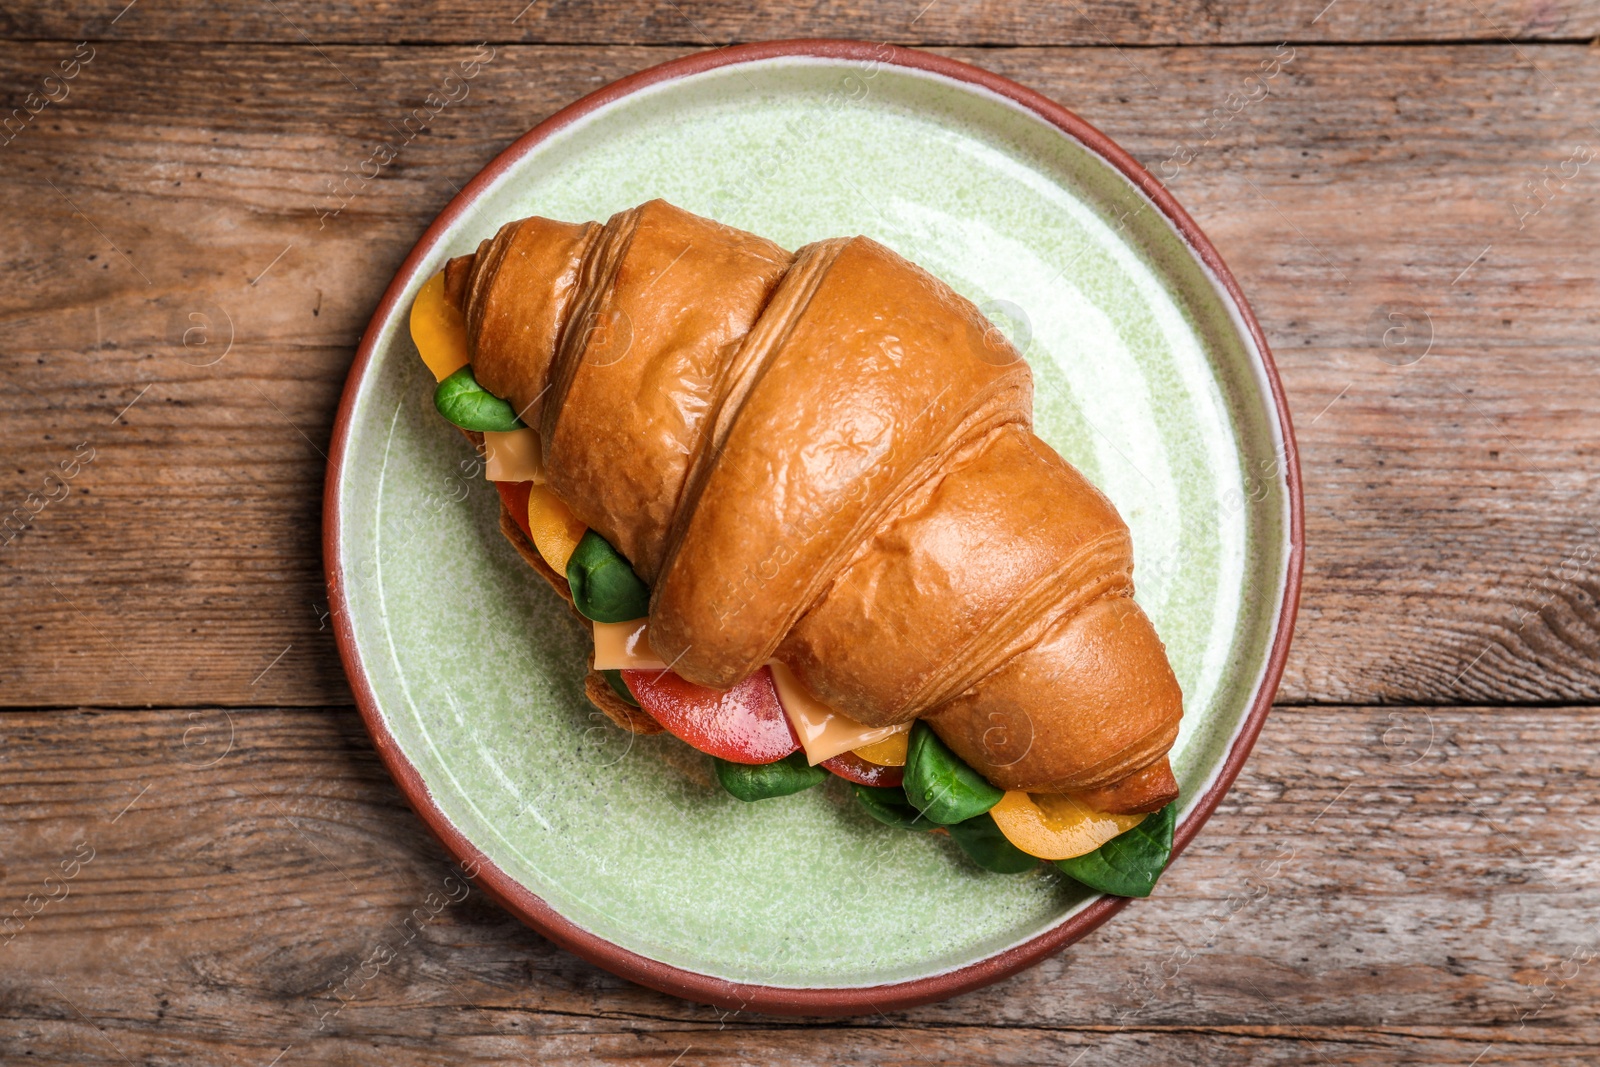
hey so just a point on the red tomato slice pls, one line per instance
(852, 768)
(514, 495)
(745, 724)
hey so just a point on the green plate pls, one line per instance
(1150, 376)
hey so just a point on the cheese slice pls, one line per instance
(625, 646)
(824, 733)
(513, 456)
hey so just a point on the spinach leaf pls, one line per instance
(763, 781)
(978, 837)
(982, 840)
(604, 587)
(619, 687)
(1129, 864)
(470, 406)
(889, 806)
(940, 785)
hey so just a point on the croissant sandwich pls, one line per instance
(798, 500)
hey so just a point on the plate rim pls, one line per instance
(663, 977)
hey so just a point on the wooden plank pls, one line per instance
(715, 22)
(1450, 500)
(1383, 886)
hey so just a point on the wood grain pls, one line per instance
(707, 23)
(1383, 886)
(170, 205)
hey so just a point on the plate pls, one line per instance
(1151, 375)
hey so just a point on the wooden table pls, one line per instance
(1405, 872)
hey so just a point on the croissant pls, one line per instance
(826, 459)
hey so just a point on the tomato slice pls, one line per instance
(852, 768)
(745, 724)
(514, 495)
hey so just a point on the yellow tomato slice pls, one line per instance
(556, 531)
(438, 330)
(1053, 826)
(890, 752)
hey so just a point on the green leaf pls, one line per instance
(940, 785)
(470, 406)
(1129, 864)
(604, 587)
(619, 687)
(889, 806)
(982, 840)
(978, 837)
(766, 780)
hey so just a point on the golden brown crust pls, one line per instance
(867, 646)
(881, 379)
(1093, 702)
(668, 297)
(516, 294)
(1145, 791)
(828, 457)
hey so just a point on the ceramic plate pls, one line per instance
(1151, 376)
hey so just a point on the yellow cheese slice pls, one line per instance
(513, 456)
(824, 733)
(625, 646)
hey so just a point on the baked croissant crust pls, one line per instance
(827, 458)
